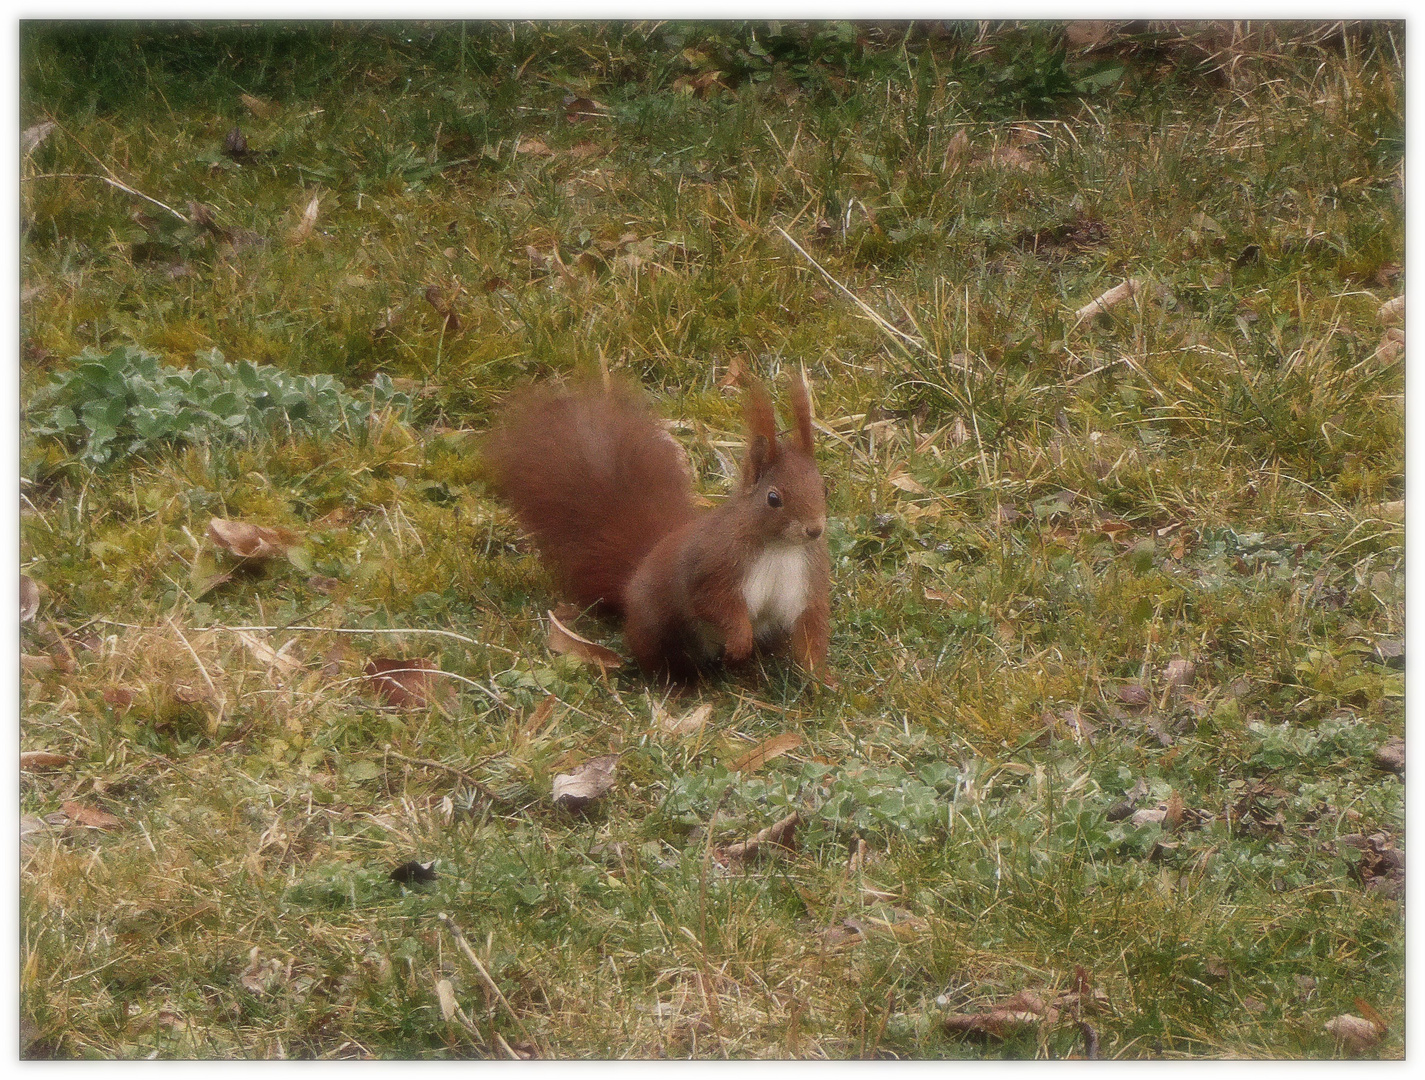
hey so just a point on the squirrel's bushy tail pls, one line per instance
(595, 479)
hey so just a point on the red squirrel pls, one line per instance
(607, 495)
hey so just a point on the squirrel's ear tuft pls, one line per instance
(801, 409)
(762, 448)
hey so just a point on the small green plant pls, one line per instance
(128, 402)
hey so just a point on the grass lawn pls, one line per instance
(1118, 589)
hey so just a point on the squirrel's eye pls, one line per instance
(773, 498)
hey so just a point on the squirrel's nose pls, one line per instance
(813, 531)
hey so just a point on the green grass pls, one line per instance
(1030, 512)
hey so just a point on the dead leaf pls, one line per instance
(1025, 1009)
(254, 542)
(304, 226)
(1368, 1011)
(541, 716)
(582, 108)
(406, 684)
(847, 932)
(90, 817)
(119, 697)
(1133, 694)
(565, 642)
(1392, 310)
(957, 150)
(266, 654)
(258, 107)
(534, 147)
(903, 480)
(590, 781)
(766, 750)
(235, 144)
(31, 137)
(1173, 812)
(261, 976)
(585, 149)
(42, 759)
(30, 662)
(778, 839)
(29, 598)
(1391, 755)
(1110, 298)
(1150, 816)
(690, 723)
(322, 584)
(1179, 672)
(1356, 1032)
(444, 307)
(446, 993)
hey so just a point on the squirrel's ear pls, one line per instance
(762, 448)
(801, 409)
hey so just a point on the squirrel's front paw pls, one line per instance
(739, 645)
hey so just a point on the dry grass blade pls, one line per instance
(32, 136)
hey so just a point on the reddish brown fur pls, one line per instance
(595, 480)
(627, 535)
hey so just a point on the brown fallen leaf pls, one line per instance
(444, 307)
(42, 759)
(590, 781)
(1109, 298)
(29, 598)
(1179, 672)
(1392, 310)
(565, 642)
(1133, 694)
(766, 750)
(308, 220)
(90, 817)
(847, 932)
(254, 542)
(778, 839)
(905, 482)
(533, 147)
(1391, 755)
(406, 684)
(1356, 1032)
(1024, 1010)
(1369, 1012)
(1173, 812)
(541, 716)
(582, 108)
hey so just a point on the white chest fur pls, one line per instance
(775, 589)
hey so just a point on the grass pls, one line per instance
(1034, 515)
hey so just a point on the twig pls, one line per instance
(325, 630)
(866, 308)
(459, 936)
(220, 698)
(112, 182)
(430, 763)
